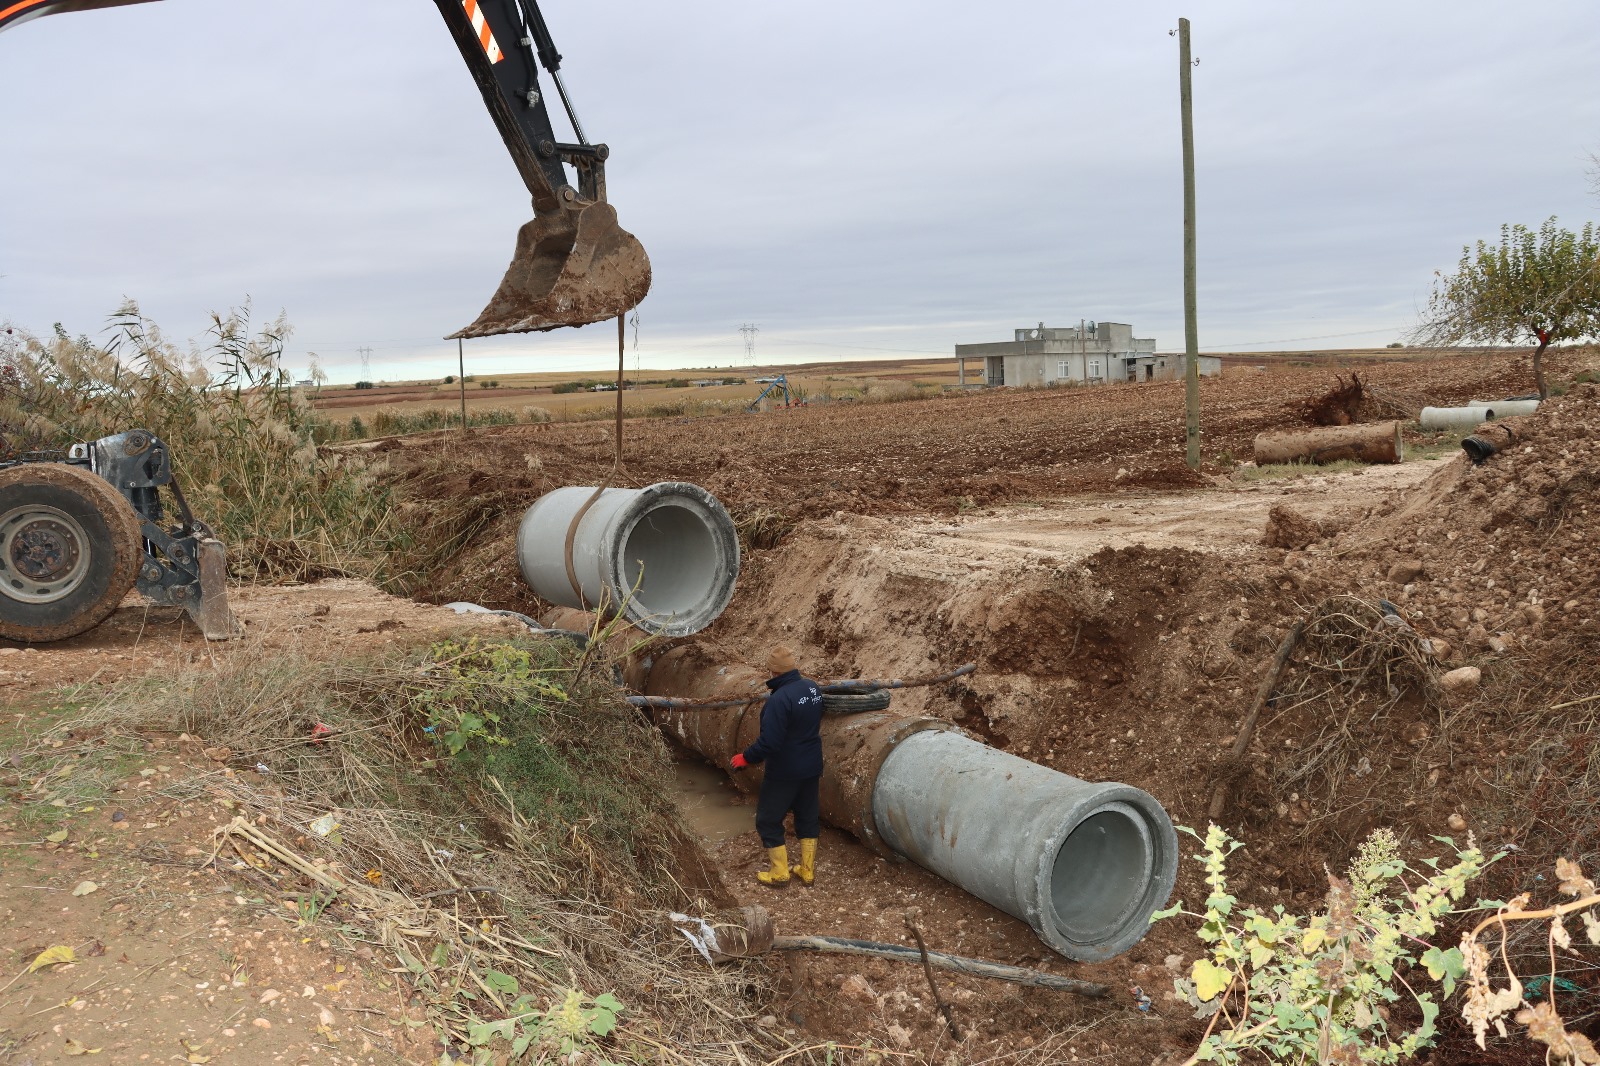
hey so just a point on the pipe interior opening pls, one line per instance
(675, 550)
(1100, 875)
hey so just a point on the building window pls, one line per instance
(1061, 370)
(1094, 368)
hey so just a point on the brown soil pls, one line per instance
(139, 639)
(178, 961)
(1119, 630)
(1121, 610)
(938, 456)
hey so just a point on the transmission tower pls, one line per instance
(366, 363)
(749, 329)
(633, 320)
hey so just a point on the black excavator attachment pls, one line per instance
(76, 534)
(573, 263)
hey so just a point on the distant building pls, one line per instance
(1092, 353)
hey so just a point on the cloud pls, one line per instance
(894, 175)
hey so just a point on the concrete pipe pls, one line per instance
(1440, 418)
(1376, 442)
(1507, 408)
(667, 556)
(1084, 864)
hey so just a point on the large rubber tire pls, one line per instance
(91, 535)
(855, 702)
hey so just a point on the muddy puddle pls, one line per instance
(710, 805)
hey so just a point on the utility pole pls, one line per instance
(461, 379)
(1191, 328)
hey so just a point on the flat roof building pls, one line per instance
(1090, 353)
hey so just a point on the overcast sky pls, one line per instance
(859, 178)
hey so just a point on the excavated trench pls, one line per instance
(1083, 864)
(1108, 648)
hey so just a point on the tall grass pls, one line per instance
(243, 440)
(327, 430)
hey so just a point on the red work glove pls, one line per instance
(738, 761)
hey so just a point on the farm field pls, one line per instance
(516, 391)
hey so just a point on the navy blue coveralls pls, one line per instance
(790, 745)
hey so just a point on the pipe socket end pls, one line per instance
(665, 556)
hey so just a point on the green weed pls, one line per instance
(1290, 988)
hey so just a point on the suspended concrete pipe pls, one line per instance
(667, 556)
(1084, 864)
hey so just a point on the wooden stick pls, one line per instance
(1247, 731)
(927, 969)
(956, 963)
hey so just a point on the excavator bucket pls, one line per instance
(570, 269)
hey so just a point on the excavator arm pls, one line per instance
(573, 263)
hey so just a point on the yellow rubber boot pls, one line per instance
(807, 870)
(777, 876)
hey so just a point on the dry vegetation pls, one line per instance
(504, 833)
(241, 438)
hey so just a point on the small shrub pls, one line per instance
(464, 700)
(1318, 988)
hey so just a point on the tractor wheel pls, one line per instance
(70, 549)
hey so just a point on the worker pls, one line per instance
(790, 745)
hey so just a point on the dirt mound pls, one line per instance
(1507, 551)
(1288, 528)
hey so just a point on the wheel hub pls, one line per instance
(42, 554)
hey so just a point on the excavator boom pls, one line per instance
(572, 264)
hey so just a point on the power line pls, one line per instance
(1297, 340)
